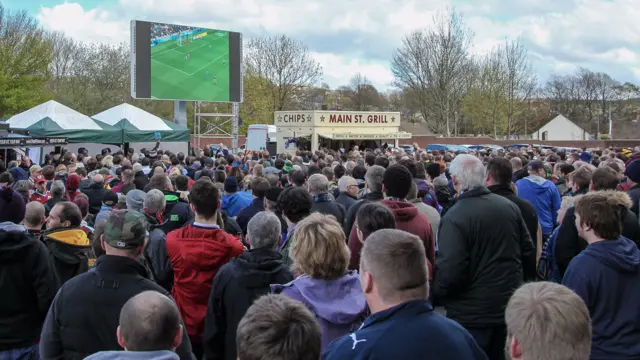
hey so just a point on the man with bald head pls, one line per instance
(95, 193)
(34, 218)
(149, 328)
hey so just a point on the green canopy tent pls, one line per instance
(140, 126)
(52, 119)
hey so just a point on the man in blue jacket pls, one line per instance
(403, 324)
(543, 194)
(606, 275)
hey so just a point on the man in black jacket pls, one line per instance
(484, 253)
(569, 243)
(240, 282)
(498, 181)
(28, 287)
(323, 203)
(177, 212)
(84, 315)
(95, 193)
(259, 187)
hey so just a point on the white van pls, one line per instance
(259, 135)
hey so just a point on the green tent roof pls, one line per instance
(141, 126)
(52, 119)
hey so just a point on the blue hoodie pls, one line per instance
(606, 275)
(339, 305)
(544, 196)
(233, 203)
(411, 330)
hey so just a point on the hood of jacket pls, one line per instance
(68, 245)
(403, 211)
(76, 237)
(338, 301)
(207, 246)
(620, 198)
(260, 267)
(134, 355)
(621, 255)
(14, 240)
(538, 184)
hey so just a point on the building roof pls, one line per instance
(557, 119)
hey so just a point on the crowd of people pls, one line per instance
(359, 254)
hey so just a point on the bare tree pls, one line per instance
(287, 65)
(520, 81)
(363, 95)
(606, 91)
(434, 63)
(588, 82)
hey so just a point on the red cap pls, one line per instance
(40, 179)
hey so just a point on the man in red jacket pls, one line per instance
(197, 252)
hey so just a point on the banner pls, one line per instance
(37, 141)
(337, 118)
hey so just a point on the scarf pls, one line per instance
(391, 198)
(157, 216)
(320, 198)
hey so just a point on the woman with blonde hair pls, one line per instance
(324, 285)
(107, 161)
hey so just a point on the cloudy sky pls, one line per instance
(359, 35)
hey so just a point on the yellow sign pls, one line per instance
(337, 118)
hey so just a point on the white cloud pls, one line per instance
(338, 69)
(92, 25)
(359, 35)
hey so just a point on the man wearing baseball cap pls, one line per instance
(40, 194)
(119, 275)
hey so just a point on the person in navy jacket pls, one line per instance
(606, 275)
(403, 324)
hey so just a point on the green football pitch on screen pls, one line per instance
(192, 67)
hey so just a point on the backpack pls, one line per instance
(547, 267)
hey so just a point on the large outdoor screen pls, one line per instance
(177, 62)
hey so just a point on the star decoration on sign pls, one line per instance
(279, 118)
(322, 118)
(393, 119)
(308, 118)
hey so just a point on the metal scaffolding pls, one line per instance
(214, 122)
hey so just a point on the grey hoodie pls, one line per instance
(134, 355)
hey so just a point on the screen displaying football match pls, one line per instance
(177, 62)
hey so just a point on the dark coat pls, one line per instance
(95, 193)
(330, 208)
(28, 285)
(235, 287)
(527, 209)
(479, 264)
(177, 212)
(346, 200)
(634, 194)
(569, 244)
(70, 251)
(156, 256)
(257, 205)
(75, 329)
(140, 180)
